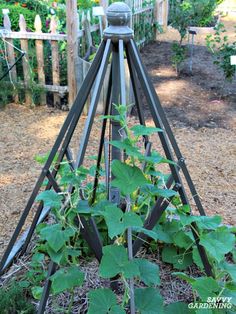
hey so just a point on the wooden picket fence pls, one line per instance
(40, 38)
(145, 15)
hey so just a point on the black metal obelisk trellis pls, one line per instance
(118, 39)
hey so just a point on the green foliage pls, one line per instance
(14, 299)
(15, 11)
(221, 48)
(56, 236)
(177, 308)
(117, 221)
(85, 4)
(66, 279)
(186, 13)
(139, 189)
(149, 272)
(218, 243)
(179, 54)
(103, 301)
(115, 261)
(148, 300)
(131, 175)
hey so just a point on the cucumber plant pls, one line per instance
(139, 187)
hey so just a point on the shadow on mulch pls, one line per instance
(200, 99)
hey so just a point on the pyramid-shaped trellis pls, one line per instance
(118, 38)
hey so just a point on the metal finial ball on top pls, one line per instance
(118, 17)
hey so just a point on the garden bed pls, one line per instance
(202, 119)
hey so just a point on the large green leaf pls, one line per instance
(180, 260)
(56, 236)
(70, 178)
(140, 130)
(205, 311)
(66, 279)
(127, 146)
(153, 190)
(218, 243)
(127, 178)
(131, 219)
(177, 308)
(50, 199)
(148, 301)
(162, 235)
(197, 258)
(83, 207)
(206, 287)
(117, 221)
(56, 257)
(156, 158)
(115, 261)
(150, 233)
(230, 269)
(203, 222)
(183, 239)
(149, 272)
(230, 292)
(103, 301)
(113, 217)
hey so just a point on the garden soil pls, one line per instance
(201, 112)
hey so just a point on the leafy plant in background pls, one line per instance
(14, 299)
(61, 241)
(186, 13)
(30, 10)
(221, 48)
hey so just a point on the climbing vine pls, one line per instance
(140, 183)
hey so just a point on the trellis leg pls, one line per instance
(114, 195)
(137, 95)
(93, 104)
(102, 137)
(129, 230)
(46, 289)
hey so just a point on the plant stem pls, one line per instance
(130, 253)
(71, 301)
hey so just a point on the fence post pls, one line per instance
(165, 14)
(161, 11)
(104, 4)
(55, 61)
(156, 17)
(72, 47)
(10, 54)
(25, 61)
(40, 57)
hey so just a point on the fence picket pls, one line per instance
(25, 62)
(72, 47)
(10, 53)
(55, 61)
(40, 58)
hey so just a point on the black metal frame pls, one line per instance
(116, 94)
